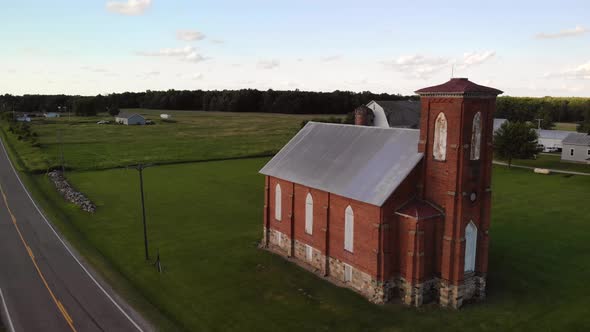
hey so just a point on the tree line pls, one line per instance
(549, 109)
(247, 100)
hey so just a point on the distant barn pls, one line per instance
(498, 122)
(129, 119)
(394, 113)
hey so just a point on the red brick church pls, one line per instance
(391, 212)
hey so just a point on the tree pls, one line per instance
(584, 126)
(515, 140)
(546, 116)
(113, 110)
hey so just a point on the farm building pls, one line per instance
(396, 114)
(576, 148)
(391, 212)
(393, 113)
(498, 123)
(166, 116)
(551, 140)
(129, 119)
(51, 115)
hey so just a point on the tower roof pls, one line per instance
(459, 87)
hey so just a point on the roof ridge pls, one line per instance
(359, 126)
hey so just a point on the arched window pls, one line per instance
(476, 137)
(309, 214)
(470, 246)
(278, 200)
(439, 150)
(348, 229)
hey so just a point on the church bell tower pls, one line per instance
(456, 131)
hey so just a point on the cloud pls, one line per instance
(218, 41)
(180, 51)
(290, 84)
(268, 64)
(149, 74)
(580, 72)
(197, 76)
(129, 7)
(331, 58)
(577, 31)
(94, 69)
(187, 53)
(194, 57)
(424, 67)
(476, 58)
(189, 35)
(417, 66)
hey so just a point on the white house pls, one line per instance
(129, 119)
(576, 148)
(166, 116)
(51, 115)
(551, 140)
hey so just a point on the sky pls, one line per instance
(525, 48)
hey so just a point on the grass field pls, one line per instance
(552, 162)
(565, 126)
(193, 136)
(205, 218)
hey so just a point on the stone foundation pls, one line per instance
(280, 242)
(433, 290)
(361, 282)
(418, 294)
(454, 296)
(317, 261)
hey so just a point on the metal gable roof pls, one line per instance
(125, 115)
(577, 139)
(359, 162)
(401, 113)
(552, 134)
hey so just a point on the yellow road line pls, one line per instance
(58, 304)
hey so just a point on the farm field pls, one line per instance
(192, 136)
(552, 162)
(565, 126)
(205, 219)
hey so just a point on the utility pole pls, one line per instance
(140, 168)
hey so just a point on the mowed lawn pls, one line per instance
(565, 126)
(552, 161)
(206, 220)
(193, 136)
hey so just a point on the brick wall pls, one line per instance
(449, 183)
(328, 224)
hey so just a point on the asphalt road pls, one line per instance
(44, 284)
